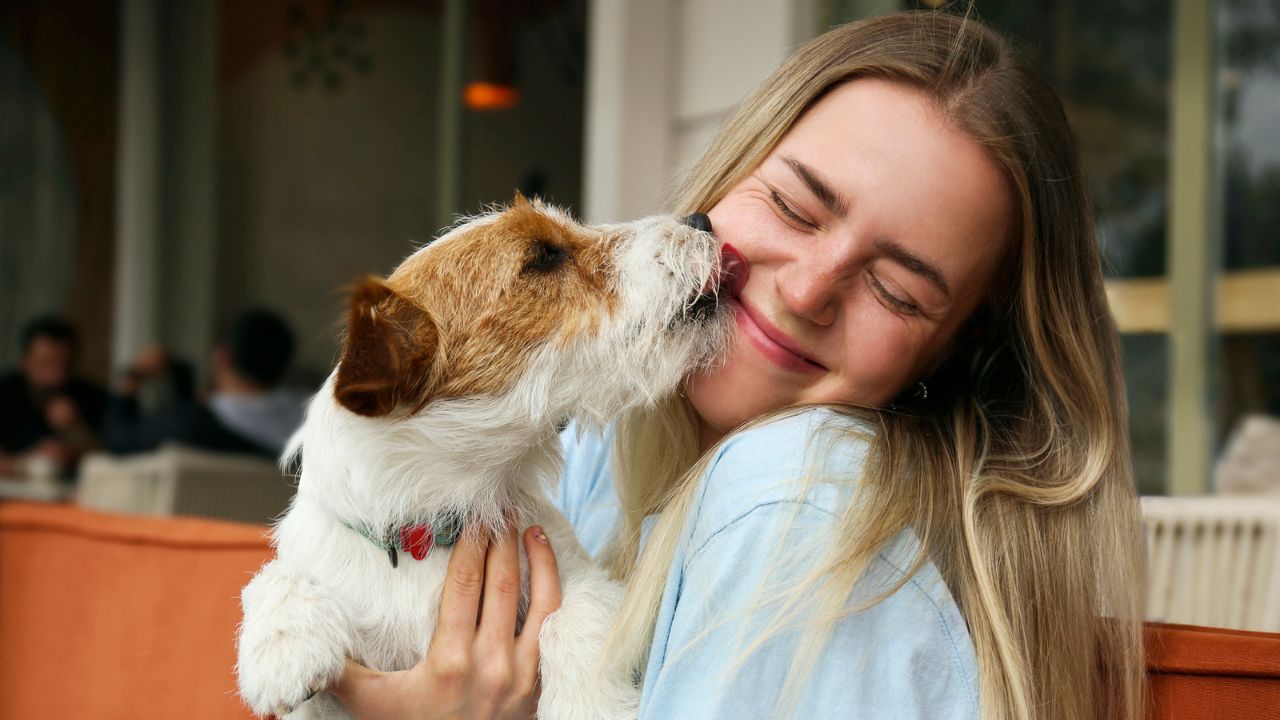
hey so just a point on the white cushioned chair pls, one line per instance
(176, 480)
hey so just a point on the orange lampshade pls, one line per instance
(490, 96)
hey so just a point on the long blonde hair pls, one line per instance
(1015, 473)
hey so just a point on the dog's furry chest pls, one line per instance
(392, 609)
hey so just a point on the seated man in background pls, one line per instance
(47, 416)
(246, 411)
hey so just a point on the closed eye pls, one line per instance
(895, 303)
(544, 257)
(786, 210)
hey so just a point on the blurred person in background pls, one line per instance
(48, 417)
(246, 411)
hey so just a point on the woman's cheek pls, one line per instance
(893, 370)
(880, 354)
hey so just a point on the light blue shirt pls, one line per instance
(754, 526)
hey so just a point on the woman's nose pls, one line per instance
(809, 290)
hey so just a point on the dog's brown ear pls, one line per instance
(386, 357)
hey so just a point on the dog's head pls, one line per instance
(574, 318)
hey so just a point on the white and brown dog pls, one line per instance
(443, 411)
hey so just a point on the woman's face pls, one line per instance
(871, 233)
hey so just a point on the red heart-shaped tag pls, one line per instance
(417, 539)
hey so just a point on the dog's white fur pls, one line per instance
(331, 594)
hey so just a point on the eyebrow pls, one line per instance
(819, 187)
(913, 262)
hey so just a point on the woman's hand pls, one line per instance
(475, 666)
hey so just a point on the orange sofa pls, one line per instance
(1200, 673)
(120, 616)
(112, 616)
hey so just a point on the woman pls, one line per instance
(922, 262)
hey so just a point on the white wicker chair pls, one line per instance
(1214, 561)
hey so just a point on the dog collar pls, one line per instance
(417, 539)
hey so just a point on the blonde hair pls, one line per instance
(1015, 473)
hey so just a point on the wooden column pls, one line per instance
(1193, 248)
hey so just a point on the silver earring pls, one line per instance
(923, 391)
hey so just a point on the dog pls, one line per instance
(443, 412)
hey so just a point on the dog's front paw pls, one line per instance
(576, 685)
(294, 641)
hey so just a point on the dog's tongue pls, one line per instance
(733, 270)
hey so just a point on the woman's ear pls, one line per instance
(387, 353)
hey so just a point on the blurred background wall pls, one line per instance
(328, 143)
(166, 164)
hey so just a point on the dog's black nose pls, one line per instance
(698, 221)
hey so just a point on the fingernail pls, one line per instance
(540, 536)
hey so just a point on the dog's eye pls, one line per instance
(544, 257)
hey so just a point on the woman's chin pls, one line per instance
(725, 397)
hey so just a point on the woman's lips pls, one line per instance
(771, 342)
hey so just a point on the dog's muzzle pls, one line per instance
(703, 308)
